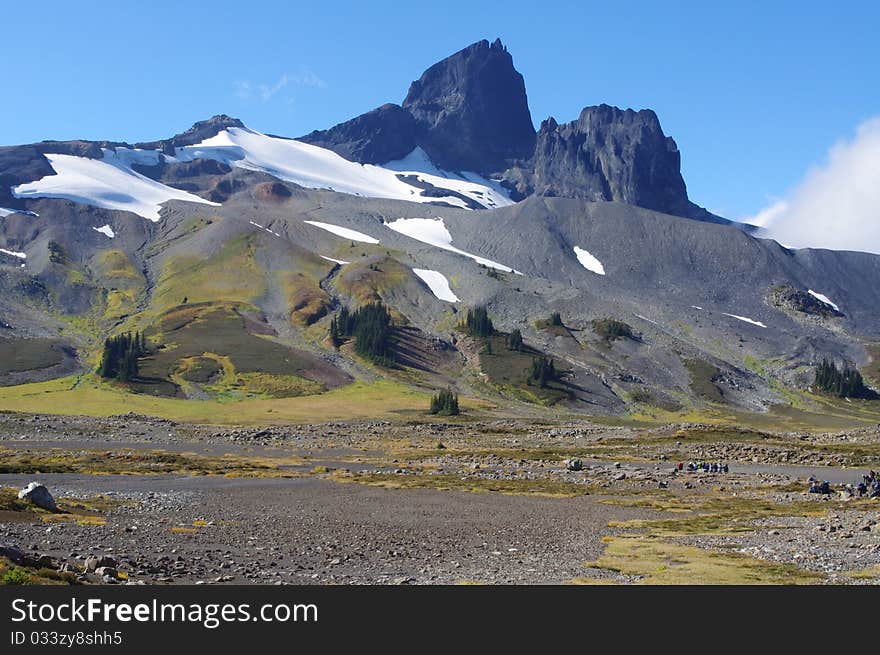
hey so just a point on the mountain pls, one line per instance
(468, 112)
(608, 154)
(235, 251)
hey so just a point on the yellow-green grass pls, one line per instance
(370, 278)
(10, 574)
(92, 397)
(128, 462)
(509, 370)
(83, 511)
(712, 514)
(545, 487)
(659, 562)
(232, 275)
(28, 354)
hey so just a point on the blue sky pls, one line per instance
(755, 93)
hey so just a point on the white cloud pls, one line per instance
(307, 77)
(247, 90)
(837, 205)
(267, 91)
(767, 215)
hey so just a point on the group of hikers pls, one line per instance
(706, 467)
(868, 486)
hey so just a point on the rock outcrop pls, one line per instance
(382, 135)
(607, 154)
(468, 112)
(472, 111)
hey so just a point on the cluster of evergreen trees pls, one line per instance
(515, 340)
(370, 327)
(477, 322)
(120, 357)
(445, 403)
(611, 329)
(543, 371)
(847, 383)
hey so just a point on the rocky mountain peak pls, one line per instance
(471, 110)
(200, 131)
(608, 154)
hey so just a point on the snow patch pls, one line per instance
(344, 232)
(488, 193)
(823, 298)
(433, 232)
(437, 283)
(262, 227)
(109, 183)
(12, 253)
(105, 229)
(318, 168)
(745, 319)
(4, 212)
(588, 261)
(335, 261)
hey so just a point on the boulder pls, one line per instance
(39, 495)
(574, 464)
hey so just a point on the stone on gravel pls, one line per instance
(39, 496)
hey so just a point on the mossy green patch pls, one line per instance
(659, 562)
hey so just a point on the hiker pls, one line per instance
(862, 489)
(726, 469)
(825, 487)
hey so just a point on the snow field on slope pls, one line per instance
(745, 319)
(437, 283)
(823, 298)
(344, 232)
(433, 232)
(588, 261)
(319, 168)
(109, 183)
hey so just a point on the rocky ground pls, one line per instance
(151, 501)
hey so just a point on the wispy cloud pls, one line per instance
(268, 91)
(837, 205)
(264, 92)
(767, 215)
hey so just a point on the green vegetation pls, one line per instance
(131, 462)
(15, 575)
(224, 350)
(659, 562)
(611, 329)
(370, 326)
(543, 371)
(547, 487)
(120, 357)
(56, 253)
(847, 383)
(18, 355)
(383, 399)
(445, 403)
(703, 378)
(477, 322)
(510, 370)
(515, 341)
